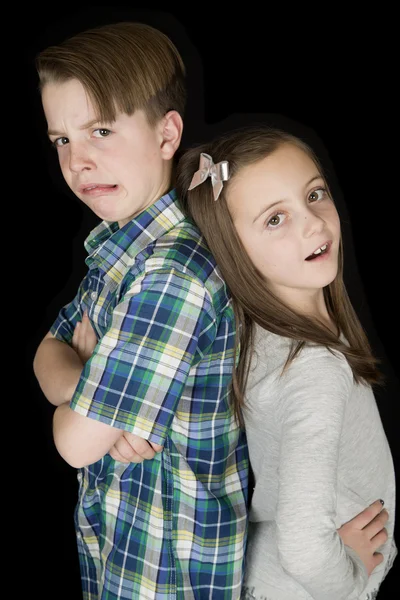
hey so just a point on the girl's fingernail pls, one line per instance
(382, 501)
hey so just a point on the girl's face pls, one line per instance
(288, 224)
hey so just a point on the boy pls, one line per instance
(143, 355)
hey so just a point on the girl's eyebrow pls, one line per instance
(265, 208)
(318, 176)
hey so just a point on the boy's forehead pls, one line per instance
(67, 105)
(68, 100)
(71, 88)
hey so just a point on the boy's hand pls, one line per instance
(132, 448)
(366, 533)
(84, 339)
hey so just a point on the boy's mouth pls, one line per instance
(87, 188)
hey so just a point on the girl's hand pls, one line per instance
(365, 533)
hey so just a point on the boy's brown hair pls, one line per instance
(123, 67)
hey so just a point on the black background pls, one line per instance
(326, 75)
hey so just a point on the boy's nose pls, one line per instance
(79, 159)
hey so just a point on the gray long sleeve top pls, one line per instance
(320, 456)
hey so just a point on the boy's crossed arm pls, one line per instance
(91, 440)
(58, 367)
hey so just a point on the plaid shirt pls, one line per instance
(173, 527)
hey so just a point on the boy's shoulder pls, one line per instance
(185, 243)
(184, 249)
(161, 242)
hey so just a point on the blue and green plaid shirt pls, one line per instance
(173, 527)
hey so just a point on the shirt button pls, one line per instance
(93, 295)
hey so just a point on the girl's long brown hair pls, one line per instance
(252, 300)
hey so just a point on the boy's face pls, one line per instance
(117, 169)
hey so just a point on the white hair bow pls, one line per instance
(218, 173)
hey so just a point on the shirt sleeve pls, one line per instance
(316, 388)
(64, 326)
(139, 368)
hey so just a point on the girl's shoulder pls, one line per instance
(314, 379)
(271, 352)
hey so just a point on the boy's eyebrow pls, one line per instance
(84, 126)
(265, 208)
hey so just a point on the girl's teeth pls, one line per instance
(320, 249)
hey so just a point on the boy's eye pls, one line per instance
(61, 141)
(102, 132)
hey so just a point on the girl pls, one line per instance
(317, 445)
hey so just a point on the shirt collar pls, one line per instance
(112, 248)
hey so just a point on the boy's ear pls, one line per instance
(171, 128)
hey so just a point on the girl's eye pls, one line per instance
(275, 220)
(61, 141)
(101, 132)
(317, 195)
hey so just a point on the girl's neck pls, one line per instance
(313, 306)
